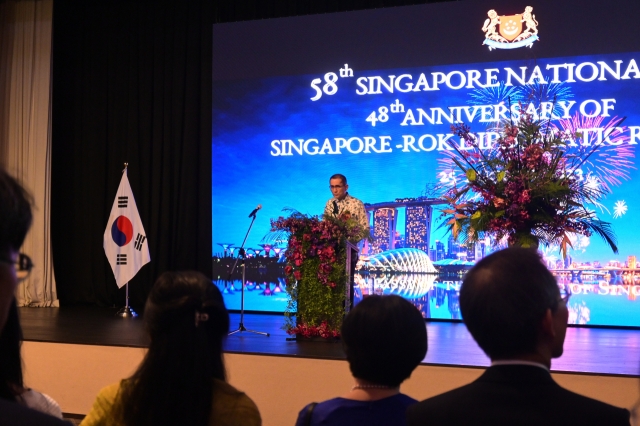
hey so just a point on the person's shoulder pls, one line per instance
(40, 402)
(440, 405)
(110, 392)
(329, 405)
(405, 399)
(224, 391)
(338, 403)
(319, 409)
(444, 398)
(340, 410)
(593, 408)
(232, 406)
(13, 413)
(399, 401)
(354, 201)
(549, 404)
(220, 386)
(102, 405)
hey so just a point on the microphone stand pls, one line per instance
(241, 255)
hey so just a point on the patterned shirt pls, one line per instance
(348, 204)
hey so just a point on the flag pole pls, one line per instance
(127, 312)
(125, 242)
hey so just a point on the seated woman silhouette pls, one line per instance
(12, 386)
(181, 380)
(384, 338)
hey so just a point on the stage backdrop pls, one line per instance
(372, 95)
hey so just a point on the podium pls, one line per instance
(321, 261)
(320, 308)
(351, 261)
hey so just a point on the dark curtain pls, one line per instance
(132, 83)
(244, 10)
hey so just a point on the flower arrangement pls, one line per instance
(315, 273)
(524, 189)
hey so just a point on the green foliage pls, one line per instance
(316, 273)
(311, 302)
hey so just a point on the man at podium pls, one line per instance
(342, 202)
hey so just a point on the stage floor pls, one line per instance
(599, 351)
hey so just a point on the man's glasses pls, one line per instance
(335, 186)
(23, 265)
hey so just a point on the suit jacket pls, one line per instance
(514, 395)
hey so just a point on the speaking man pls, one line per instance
(342, 203)
(512, 306)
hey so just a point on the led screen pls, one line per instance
(373, 95)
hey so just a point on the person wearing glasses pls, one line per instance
(15, 221)
(344, 204)
(512, 306)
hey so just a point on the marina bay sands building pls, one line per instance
(417, 231)
(418, 227)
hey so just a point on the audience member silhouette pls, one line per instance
(384, 338)
(11, 369)
(514, 309)
(181, 380)
(15, 221)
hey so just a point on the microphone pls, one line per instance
(335, 208)
(253, 213)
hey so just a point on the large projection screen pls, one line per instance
(372, 95)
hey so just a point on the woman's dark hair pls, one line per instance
(187, 322)
(10, 361)
(385, 338)
(15, 220)
(15, 212)
(503, 299)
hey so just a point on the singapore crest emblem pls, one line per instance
(512, 31)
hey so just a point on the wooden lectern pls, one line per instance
(352, 259)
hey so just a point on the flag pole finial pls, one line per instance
(125, 167)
